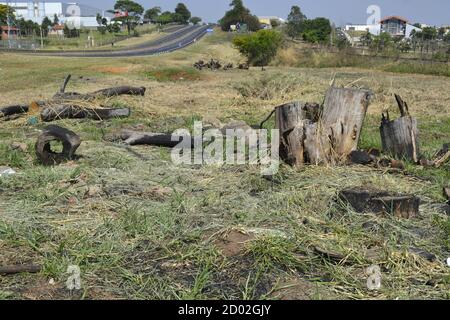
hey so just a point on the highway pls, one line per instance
(178, 38)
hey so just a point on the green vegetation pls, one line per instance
(314, 31)
(259, 48)
(133, 10)
(239, 14)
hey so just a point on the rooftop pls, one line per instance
(394, 18)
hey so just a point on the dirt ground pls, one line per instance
(149, 229)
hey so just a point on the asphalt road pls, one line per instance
(179, 38)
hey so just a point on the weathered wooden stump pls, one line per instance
(381, 202)
(400, 138)
(69, 140)
(52, 113)
(310, 134)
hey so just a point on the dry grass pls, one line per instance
(147, 229)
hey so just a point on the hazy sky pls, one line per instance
(436, 12)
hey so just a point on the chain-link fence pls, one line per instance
(19, 44)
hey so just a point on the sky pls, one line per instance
(432, 12)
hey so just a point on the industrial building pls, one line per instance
(37, 10)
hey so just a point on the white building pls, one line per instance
(394, 25)
(38, 10)
(374, 29)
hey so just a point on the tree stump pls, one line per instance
(69, 140)
(309, 134)
(400, 138)
(381, 202)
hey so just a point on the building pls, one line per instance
(397, 27)
(8, 32)
(57, 31)
(394, 25)
(372, 28)
(37, 10)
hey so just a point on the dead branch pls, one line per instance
(68, 111)
(20, 268)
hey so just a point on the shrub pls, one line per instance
(259, 48)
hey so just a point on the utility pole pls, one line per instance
(8, 22)
(42, 38)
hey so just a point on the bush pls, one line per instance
(259, 48)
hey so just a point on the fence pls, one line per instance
(19, 44)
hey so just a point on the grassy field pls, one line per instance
(140, 227)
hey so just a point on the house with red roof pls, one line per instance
(9, 32)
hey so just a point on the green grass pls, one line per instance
(148, 229)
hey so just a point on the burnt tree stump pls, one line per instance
(311, 134)
(381, 202)
(69, 140)
(400, 138)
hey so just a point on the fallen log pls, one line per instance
(20, 268)
(381, 202)
(133, 138)
(311, 134)
(69, 140)
(400, 138)
(12, 110)
(77, 112)
(104, 93)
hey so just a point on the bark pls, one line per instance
(78, 112)
(400, 138)
(69, 140)
(310, 134)
(154, 139)
(381, 202)
(11, 110)
(104, 93)
(30, 268)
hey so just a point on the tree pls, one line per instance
(195, 20)
(133, 11)
(152, 14)
(182, 13)
(5, 12)
(317, 30)
(275, 23)
(45, 25)
(165, 17)
(366, 39)
(239, 14)
(55, 20)
(259, 48)
(296, 21)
